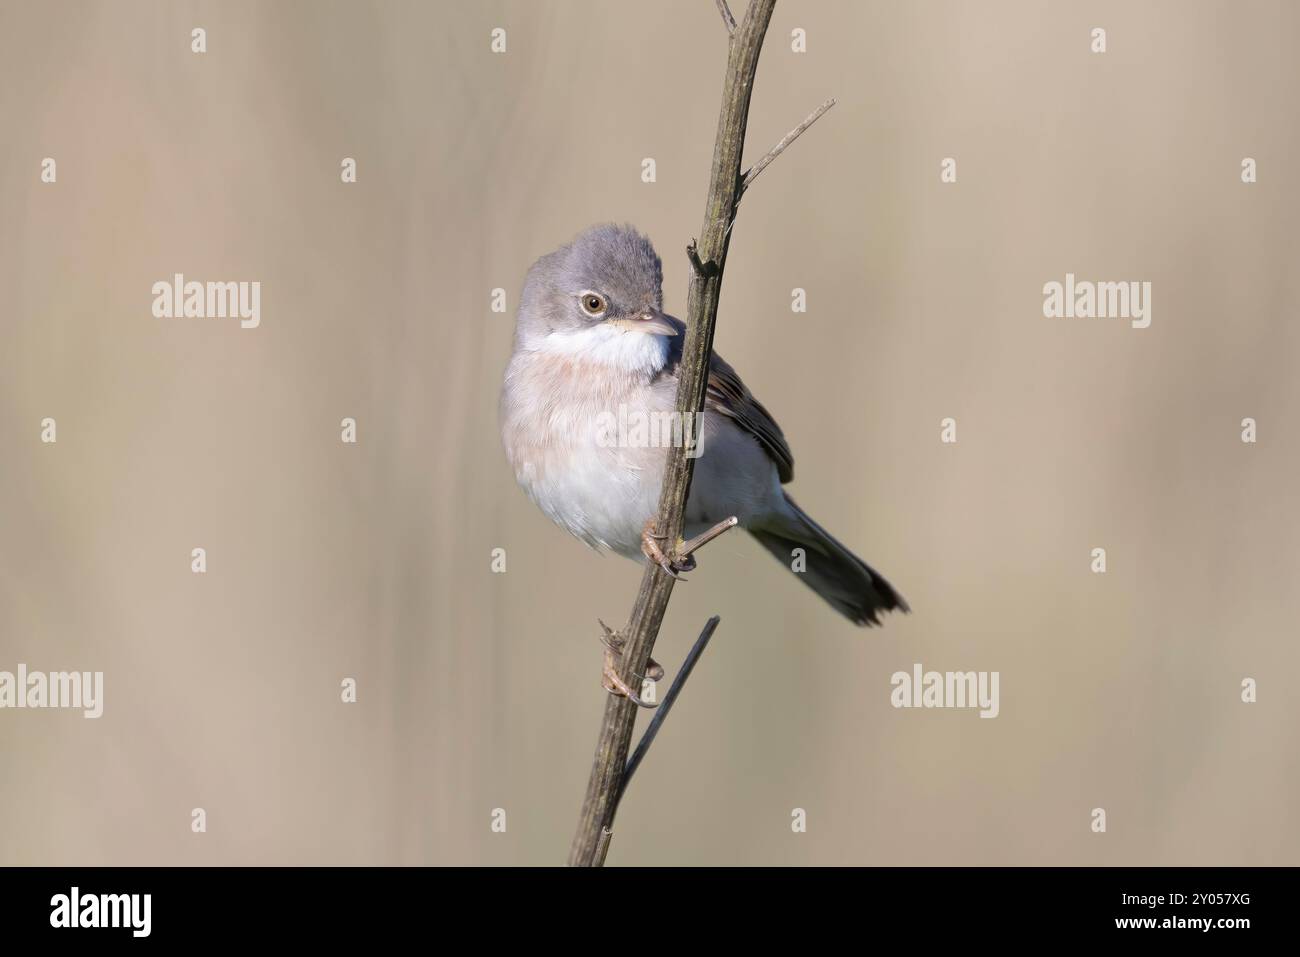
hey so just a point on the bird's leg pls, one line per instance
(610, 679)
(682, 559)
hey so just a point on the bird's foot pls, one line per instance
(652, 550)
(610, 679)
(682, 558)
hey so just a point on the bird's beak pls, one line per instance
(651, 322)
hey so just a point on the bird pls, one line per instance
(593, 351)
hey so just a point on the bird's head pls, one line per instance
(598, 298)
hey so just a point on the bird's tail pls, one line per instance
(845, 581)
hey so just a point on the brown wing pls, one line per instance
(727, 394)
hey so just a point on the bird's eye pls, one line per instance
(593, 304)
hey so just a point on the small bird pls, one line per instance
(593, 347)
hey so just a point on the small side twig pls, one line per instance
(686, 549)
(693, 656)
(728, 20)
(751, 174)
(661, 715)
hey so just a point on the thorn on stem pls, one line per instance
(699, 268)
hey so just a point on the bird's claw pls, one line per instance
(675, 564)
(610, 679)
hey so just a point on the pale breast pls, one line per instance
(565, 428)
(589, 448)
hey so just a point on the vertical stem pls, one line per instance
(591, 842)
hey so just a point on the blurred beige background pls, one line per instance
(480, 691)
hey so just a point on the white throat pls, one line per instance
(627, 351)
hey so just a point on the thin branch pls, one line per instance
(661, 715)
(752, 173)
(727, 18)
(708, 259)
(687, 549)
